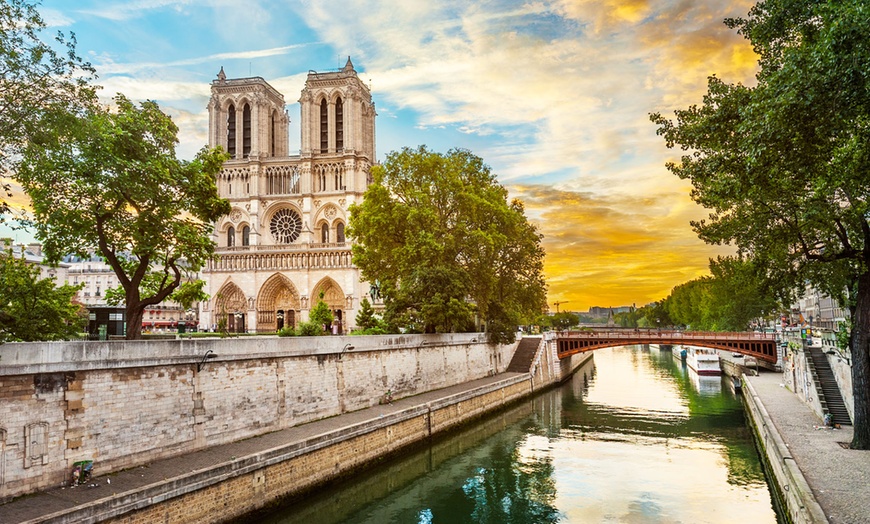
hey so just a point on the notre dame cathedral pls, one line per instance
(283, 244)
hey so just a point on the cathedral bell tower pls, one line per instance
(338, 115)
(247, 118)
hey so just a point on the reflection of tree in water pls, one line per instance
(716, 418)
(513, 488)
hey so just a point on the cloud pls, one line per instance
(127, 10)
(107, 66)
(613, 251)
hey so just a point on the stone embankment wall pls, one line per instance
(800, 504)
(123, 404)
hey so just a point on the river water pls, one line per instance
(633, 437)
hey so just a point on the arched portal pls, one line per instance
(334, 298)
(230, 308)
(277, 304)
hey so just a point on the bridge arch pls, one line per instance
(759, 345)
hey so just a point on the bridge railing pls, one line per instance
(674, 334)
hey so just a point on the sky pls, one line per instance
(555, 96)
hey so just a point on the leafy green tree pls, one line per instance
(367, 322)
(37, 79)
(439, 235)
(33, 308)
(565, 320)
(321, 316)
(783, 165)
(111, 184)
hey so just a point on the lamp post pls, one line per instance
(239, 327)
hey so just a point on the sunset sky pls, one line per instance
(554, 95)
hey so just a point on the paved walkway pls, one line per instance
(838, 477)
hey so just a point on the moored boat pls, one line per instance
(703, 361)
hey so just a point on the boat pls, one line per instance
(706, 385)
(703, 361)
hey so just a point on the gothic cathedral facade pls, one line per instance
(283, 244)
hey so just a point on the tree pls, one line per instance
(111, 183)
(321, 316)
(33, 308)
(36, 80)
(565, 320)
(783, 165)
(439, 235)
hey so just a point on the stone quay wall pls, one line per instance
(124, 404)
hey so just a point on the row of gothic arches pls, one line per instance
(278, 304)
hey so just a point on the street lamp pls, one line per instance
(347, 347)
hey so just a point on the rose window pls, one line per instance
(285, 226)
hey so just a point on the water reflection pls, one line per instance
(628, 439)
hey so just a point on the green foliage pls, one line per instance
(37, 81)
(320, 315)
(287, 331)
(310, 329)
(731, 299)
(367, 322)
(33, 308)
(439, 235)
(111, 183)
(783, 165)
(564, 320)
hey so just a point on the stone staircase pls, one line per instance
(827, 389)
(524, 355)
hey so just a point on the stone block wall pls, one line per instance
(123, 404)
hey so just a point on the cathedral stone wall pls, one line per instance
(125, 403)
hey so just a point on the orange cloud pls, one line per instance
(615, 251)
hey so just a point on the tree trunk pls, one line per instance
(860, 347)
(135, 312)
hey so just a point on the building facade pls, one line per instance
(283, 245)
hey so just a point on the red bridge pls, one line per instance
(759, 345)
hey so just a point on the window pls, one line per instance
(324, 233)
(339, 125)
(231, 130)
(324, 127)
(285, 226)
(231, 236)
(272, 148)
(246, 131)
(339, 233)
(246, 236)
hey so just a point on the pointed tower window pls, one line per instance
(272, 133)
(246, 236)
(339, 233)
(231, 130)
(231, 236)
(246, 131)
(324, 233)
(324, 127)
(339, 125)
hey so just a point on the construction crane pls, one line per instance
(559, 303)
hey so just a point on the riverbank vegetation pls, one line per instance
(783, 165)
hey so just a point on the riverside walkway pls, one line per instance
(837, 478)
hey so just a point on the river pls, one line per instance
(633, 437)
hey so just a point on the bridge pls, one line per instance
(759, 345)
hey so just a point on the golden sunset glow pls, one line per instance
(554, 95)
